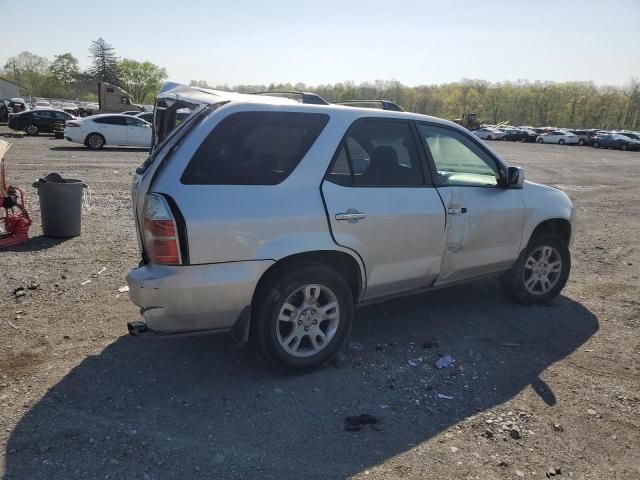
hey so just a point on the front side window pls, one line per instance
(458, 159)
(135, 122)
(378, 153)
(254, 148)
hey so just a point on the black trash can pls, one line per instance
(60, 205)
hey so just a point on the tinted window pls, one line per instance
(379, 153)
(43, 114)
(112, 120)
(459, 160)
(135, 122)
(254, 148)
(61, 116)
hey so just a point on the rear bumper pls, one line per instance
(196, 297)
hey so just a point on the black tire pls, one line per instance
(561, 141)
(513, 281)
(94, 141)
(595, 145)
(581, 142)
(540, 140)
(32, 130)
(488, 137)
(271, 297)
(624, 147)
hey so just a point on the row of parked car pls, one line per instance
(623, 140)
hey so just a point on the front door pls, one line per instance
(138, 132)
(382, 206)
(484, 219)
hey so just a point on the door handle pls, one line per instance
(456, 211)
(351, 215)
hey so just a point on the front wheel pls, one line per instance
(540, 140)
(581, 142)
(302, 317)
(32, 130)
(541, 271)
(561, 141)
(595, 145)
(624, 147)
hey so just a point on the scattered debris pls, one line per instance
(355, 423)
(19, 292)
(102, 270)
(454, 449)
(591, 411)
(85, 282)
(33, 285)
(445, 397)
(510, 344)
(379, 347)
(124, 289)
(356, 346)
(445, 361)
(519, 473)
(557, 427)
(503, 464)
(515, 433)
(553, 471)
(411, 363)
(12, 325)
(430, 343)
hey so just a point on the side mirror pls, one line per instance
(515, 177)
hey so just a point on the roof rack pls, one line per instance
(384, 104)
(306, 97)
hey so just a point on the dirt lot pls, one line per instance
(79, 399)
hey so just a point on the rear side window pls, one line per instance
(112, 120)
(378, 153)
(254, 148)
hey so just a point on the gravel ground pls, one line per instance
(531, 389)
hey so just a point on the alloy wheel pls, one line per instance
(308, 320)
(542, 270)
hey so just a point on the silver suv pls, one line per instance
(272, 219)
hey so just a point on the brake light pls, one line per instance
(72, 124)
(160, 233)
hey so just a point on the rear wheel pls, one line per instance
(488, 137)
(581, 142)
(540, 140)
(624, 146)
(541, 271)
(302, 317)
(32, 130)
(596, 145)
(94, 141)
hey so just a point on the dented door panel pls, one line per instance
(483, 231)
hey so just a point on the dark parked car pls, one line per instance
(4, 109)
(519, 135)
(36, 121)
(632, 135)
(613, 140)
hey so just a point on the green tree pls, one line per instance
(104, 67)
(28, 70)
(64, 68)
(141, 79)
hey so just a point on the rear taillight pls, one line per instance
(160, 232)
(71, 124)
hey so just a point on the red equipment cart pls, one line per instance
(14, 225)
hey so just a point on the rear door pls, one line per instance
(484, 219)
(381, 205)
(114, 129)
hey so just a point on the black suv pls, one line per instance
(4, 109)
(40, 120)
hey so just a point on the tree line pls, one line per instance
(568, 104)
(62, 77)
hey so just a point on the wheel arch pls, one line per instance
(342, 262)
(560, 227)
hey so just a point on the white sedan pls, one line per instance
(109, 129)
(559, 137)
(489, 134)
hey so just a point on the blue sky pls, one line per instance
(415, 42)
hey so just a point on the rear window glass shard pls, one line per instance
(254, 148)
